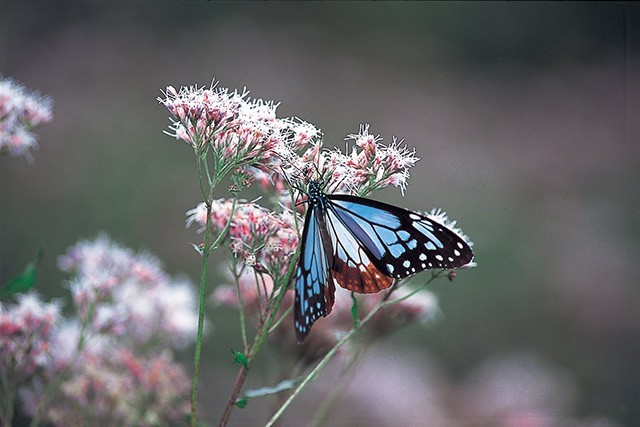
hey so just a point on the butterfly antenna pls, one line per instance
(335, 187)
(290, 181)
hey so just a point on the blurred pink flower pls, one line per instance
(421, 307)
(112, 365)
(115, 386)
(517, 390)
(254, 295)
(20, 111)
(25, 335)
(125, 294)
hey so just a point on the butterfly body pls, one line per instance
(364, 245)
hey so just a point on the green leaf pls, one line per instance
(242, 402)
(24, 281)
(240, 358)
(354, 311)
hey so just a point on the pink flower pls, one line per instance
(371, 165)
(236, 129)
(263, 239)
(20, 111)
(518, 389)
(25, 335)
(119, 387)
(240, 134)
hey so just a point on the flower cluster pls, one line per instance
(25, 336)
(112, 364)
(115, 386)
(371, 165)
(20, 111)
(263, 239)
(118, 292)
(239, 131)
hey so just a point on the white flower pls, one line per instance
(20, 111)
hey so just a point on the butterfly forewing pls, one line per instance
(400, 242)
(314, 293)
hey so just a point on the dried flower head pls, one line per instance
(20, 111)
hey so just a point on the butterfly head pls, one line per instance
(315, 191)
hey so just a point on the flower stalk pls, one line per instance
(264, 328)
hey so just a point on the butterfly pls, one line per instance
(363, 245)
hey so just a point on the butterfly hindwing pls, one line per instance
(351, 265)
(399, 242)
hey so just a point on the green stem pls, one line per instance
(243, 326)
(263, 331)
(312, 375)
(9, 391)
(277, 322)
(261, 310)
(200, 158)
(273, 308)
(203, 281)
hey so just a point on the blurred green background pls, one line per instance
(525, 116)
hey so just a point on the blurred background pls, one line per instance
(525, 116)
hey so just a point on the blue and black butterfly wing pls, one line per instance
(314, 292)
(363, 245)
(398, 242)
(351, 263)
